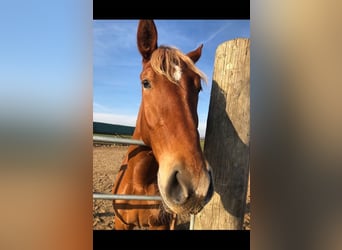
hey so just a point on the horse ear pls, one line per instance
(147, 38)
(195, 54)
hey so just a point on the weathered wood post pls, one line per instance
(227, 137)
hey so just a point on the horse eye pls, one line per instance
(146, 84)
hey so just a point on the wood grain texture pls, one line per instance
(227, 137)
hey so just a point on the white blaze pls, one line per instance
(178, 73)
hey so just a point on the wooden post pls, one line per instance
(227, 137)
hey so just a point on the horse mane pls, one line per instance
(165, 60)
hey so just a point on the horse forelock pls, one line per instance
(168, 61)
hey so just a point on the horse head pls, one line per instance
(168, 121)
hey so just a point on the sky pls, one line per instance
(117, 62)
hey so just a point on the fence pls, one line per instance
(107, 131)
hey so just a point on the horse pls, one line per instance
(171, 164)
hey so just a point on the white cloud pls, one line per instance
(130, 120)
(201, 129)
(112, 39)
(127, 120)
(100, 108)
(218, 31)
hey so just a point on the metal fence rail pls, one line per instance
(125, 197)
(111, 139)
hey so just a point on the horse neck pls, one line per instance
(140, 131)
(142, 164)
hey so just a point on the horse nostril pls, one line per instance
(178, 188)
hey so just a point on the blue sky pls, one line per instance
(117, 62)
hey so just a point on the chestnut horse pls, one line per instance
(172, 164)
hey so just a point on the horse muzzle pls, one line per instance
(184, 192)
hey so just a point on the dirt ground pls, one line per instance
(106, 162)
